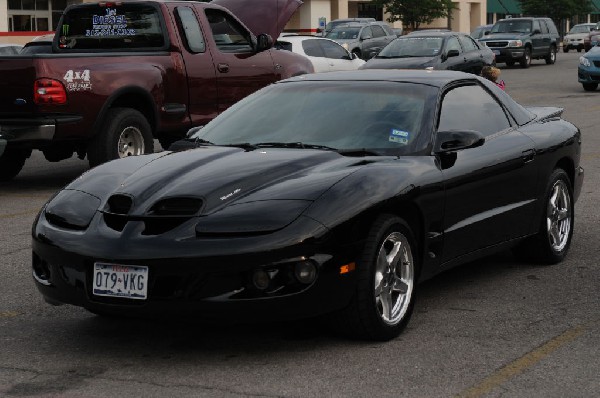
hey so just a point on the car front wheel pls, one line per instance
(387, 274)
(526, 59)
(590, 86)
(551, 57)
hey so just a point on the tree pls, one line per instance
(556, 9)
(413, 13)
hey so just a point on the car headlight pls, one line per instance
(584, 61)
(252, 217)
(72, 209)
(515, 43)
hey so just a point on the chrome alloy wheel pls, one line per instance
(394, 278)
(558, 216)
(131, 142)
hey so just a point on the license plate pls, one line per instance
(497, 52)
(125, 281)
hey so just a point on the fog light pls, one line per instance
(260, 279)
(305, 272)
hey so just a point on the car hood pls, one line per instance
(504, 36)
(576, 36)
(399, 63)
(262, 16)
(219, 176)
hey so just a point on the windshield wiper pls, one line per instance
(198, 141)
(358, 152)
(299, 145)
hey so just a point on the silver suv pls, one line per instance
(363, 39)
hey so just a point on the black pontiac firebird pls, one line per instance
(328, 193)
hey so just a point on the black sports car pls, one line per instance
(327, 193)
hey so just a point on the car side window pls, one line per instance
(312, 48)
(485, 113)
(468, 43)
(544, 27)
(377, 31)
(228, 34)
(333, 50)
(188, 24)
(453, 44)
(366, 32)
(536, 26)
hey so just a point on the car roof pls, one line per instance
(436, 78)
(434, 33)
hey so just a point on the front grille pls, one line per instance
(496, 43)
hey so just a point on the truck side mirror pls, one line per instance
(263, 42)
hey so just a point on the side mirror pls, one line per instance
(366, 37)
(487, 32)
(455, 140)
(451, 53)
(263, 42)
(192, 131)
(536, 32)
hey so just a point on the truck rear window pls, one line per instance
(111, 26)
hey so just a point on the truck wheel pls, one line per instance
(551, 57)
(11, 163)
(526, 59)
(125, 132)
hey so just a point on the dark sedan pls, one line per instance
(331, 193)
(433, 50)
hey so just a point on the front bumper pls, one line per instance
(588, 74)
(508, 53)
(209, 286)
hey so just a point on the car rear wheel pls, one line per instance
(551, 57)
(126, 132)
(11, 163)
(387, 274)
(551, 244)
(526, 59)
(590, 86)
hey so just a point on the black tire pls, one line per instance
(125, 132)
(11, 163)
(551, 244)
(551, 57)
(579, 49)
(565, 49)
(510, 63)
(364, 317)
(525, 61)
(590, 86)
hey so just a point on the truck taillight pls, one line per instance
(49, 91)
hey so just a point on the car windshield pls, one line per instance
(512, 27)
(378, 117)
(412, 47)
(343, 33)
(580, 29)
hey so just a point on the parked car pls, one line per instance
(363, 39)
(523, 39)
(574, 39)
(481, 31)
(326, 55)
(433, 50)
(398, 31)
(588, 71)
(163, 67)
(332, 24)
(330, 193)
(10, 49)
(593, 38)
(39, 45)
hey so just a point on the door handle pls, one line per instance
(528, 155)
(223, 68)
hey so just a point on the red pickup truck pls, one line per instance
(122, 73)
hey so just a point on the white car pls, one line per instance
(574, 39)
(326, 55)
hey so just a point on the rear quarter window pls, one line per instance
(131, 26)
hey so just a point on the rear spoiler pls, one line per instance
(545, 112)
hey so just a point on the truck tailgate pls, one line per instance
(17, 75)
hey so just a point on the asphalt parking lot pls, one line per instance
(492, 328)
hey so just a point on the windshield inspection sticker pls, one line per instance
(399, 136)
(110, 24)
